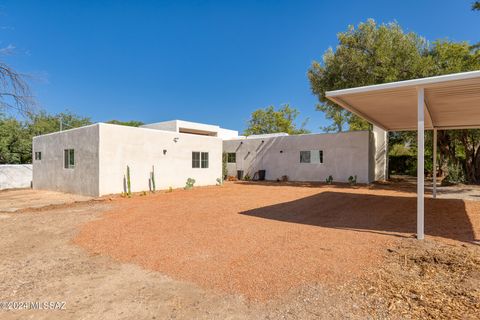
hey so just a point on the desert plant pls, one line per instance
(219, 181)
(247, 177)
(224, 165)
(152, 178)
(129, 186)
(170, 189)
(352, 180)
(189, 184)
(455, 175)
(329, 180)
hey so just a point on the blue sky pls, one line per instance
(205, 61)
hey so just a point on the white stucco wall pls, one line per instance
(15, 176)
(49, 173)
(380, 154)
(344, 154)
(142, 148)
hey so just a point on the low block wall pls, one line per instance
(15, 176)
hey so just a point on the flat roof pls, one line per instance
(450, 102)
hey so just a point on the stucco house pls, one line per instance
(93, 160)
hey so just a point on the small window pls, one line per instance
(305, 156)
(231, 157)
(195, 159)
(69, 158)
(38, 155)
(311, 156)
(204, 159)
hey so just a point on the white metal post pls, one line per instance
(434, 163)
(420, 163)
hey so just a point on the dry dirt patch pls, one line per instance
(263, 241)
(13, 200)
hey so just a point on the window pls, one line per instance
(195, 159)
(69, 158)
(311, 156)
(304, 156)
(204, 159)
(38, 155)
(231, 157)
(199, 159)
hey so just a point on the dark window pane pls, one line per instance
(72, 158)
(204, 159)
(321, 156)
(195, 159)
(65, 158)
(304, 156)
(232, 157)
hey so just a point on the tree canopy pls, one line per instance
(373, 54)
(131, 123)
(269, 120)
(16, 136)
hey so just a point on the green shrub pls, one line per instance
(352, 180)
(247, 177)
(329, 180)
(455, 175)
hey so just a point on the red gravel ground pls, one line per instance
(262, 240)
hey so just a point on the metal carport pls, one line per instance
(435, 103)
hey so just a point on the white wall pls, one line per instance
(344, 154)
(380, 154)
(142, 148)
(49, 173)
(15, 176)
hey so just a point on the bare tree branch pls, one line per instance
(14, 91)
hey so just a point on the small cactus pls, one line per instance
(153, 179)
(129, 186)
(189, 184)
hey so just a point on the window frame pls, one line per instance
(69, 158)
(303, 158)
(196, 162)
(38, 156)
(234, 156)
(204, 160)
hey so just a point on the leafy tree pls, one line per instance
(366, 55)
(476, 5)
(269, 120)
(15, 143)
(131, 123)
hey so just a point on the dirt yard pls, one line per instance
(245, 250)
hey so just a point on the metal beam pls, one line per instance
(427, 112)
(348, 107)
(420, 163)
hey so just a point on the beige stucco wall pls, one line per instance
(49, 173)
(345, 154)
(142, 148)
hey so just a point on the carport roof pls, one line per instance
(450, 102)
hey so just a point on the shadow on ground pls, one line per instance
(396, 215)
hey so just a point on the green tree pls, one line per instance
(131, 123)
(476, 5)
(16, 136)
(366, 55)
(269, 120)
(15, 142)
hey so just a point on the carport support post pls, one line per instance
(434, 163)
(420, 163)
